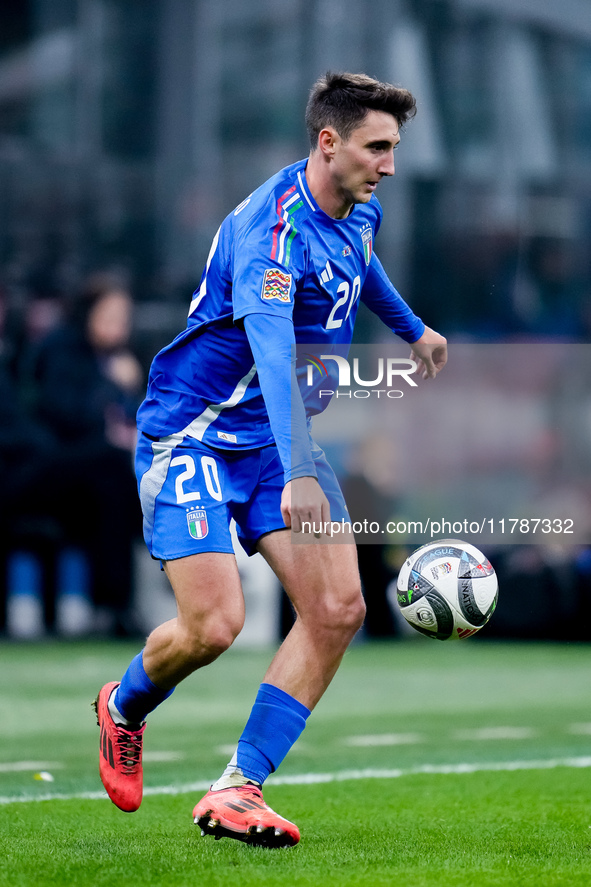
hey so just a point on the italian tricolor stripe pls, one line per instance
(285, 230)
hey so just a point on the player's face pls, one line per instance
(359, 164)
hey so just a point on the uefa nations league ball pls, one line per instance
(447, 589)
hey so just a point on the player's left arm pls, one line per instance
(271, 339)
(428, 347)
(381, 297)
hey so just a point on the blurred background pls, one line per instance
(129, 128)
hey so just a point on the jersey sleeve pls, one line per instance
(268, 260)
(271, 340)
(381, 297)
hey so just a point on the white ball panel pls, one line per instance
(485, 590)
(441, 572)
(421, 613)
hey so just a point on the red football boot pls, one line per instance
(120, 755)
(241, 813)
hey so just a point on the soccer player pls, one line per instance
(288, 265)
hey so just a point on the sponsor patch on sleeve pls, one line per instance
(276, 285)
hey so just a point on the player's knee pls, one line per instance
(211, 638)
(222, 635)
(355, 614)
(343, 614)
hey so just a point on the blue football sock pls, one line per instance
(275, 722)
(136, 695)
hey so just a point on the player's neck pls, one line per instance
(323, 189)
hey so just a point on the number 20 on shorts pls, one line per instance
(209, 469)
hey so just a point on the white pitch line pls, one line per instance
(580, 729)
(162, 757)
(484, 733)
(581, 763)
(226, 749)
(23, 766)
(377, 739)
(299, 747)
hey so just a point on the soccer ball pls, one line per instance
(447, 589)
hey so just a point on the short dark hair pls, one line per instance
(343, 101)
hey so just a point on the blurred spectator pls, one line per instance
(42, 315)
(88, 382)
(86, 385)
(22, 443)
(42, 312)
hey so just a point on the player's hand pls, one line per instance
(303, 502)
(430, 353)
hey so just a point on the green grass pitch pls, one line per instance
(425, 764)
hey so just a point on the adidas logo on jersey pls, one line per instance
(326, 274)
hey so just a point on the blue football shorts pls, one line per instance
(189, 493)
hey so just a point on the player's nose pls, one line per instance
(386, 167)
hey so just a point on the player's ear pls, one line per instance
(327, 139)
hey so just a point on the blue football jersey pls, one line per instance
(277, 254)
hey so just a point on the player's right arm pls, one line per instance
(271, 338)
